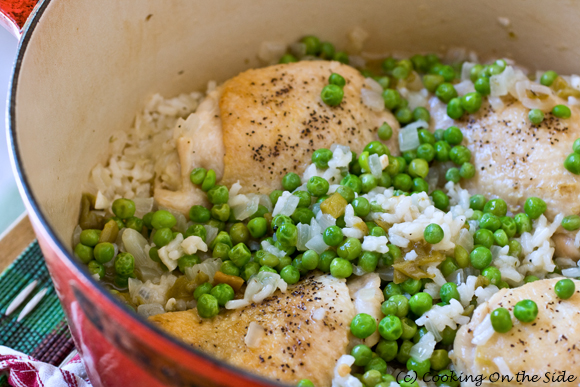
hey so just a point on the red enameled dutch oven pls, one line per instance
(84, 67)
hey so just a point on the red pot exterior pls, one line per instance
(116, 348)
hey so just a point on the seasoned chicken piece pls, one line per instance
(273, 119)
(305, 331)
(199, 143)
(515, 159)
(268, 122)
(365, 293)
(549, 344)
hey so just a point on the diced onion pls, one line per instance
(255, 333)
(372, 100)
(375, 165)
(409, 136)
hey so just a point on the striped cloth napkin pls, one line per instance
(25, 371)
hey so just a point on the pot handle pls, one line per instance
(15, 13)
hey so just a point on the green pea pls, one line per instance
(312, 44)
(496, 206)
(332, 235)
(207, 306)
(134, 223)
(490, 222)
(390, 328)
(199, 214)
(419, 185)
(392, 99)
(508, 225)
(377, 364)
(222, 237)
(336, 79)
(385, 132)
(572, 163)
(401, 72)
(162, 237)
(432, 82)
(349, 249)
(433, 233)
(305, 198)
(459, 154)
(500, 238)
(404, 115)
(305, 383)
(163, 219)
(368, 182)
(154, 254)
(197, 175)
(440, 200)
(493, 274)
(222, 293)
(290, 274)
(530, 278)
(475, 72)
(386, 350)
(447, 378)
(419, 167)
(534, 207)
(90, 237)
(420, 113)
(409, 328)
(439, 359)
(536, 116)
(239, 233)
(275, 195)
(362, 355)
(420, 367)
(317, 186)
(442, 150)
(383, 81)
(291, 181)
(471, 102)
(340, 268)
(396, 305)
(411, 286)
(448, 266)
(257, 227)
(461, 256)
(408, 156)
(332, 95)
(448, 292)
(453, 175)
(361, 206)
(526, 311)
(404, 351)
(228, 267)
(124, 264)
(209, 181)
(453, 135)
(482, 86)
(287, 58)
(392, 289)
(426, 137)
(188, 260)
(368, 261)
(363, 325)
(403, 182)
(420, 303)
(515, 248)
(353, 182)
(249, 269)
(571, 222)
(467, 171)
(561, 111)
(347, 192)
(480, 257)
(321, 157)
(240, 254)
(221, 212)
(446, 92)
(565, 289)
(483, 237)
(455, 109)
(389, 64)
(501, 320)
(103, 252)
(426, 152)
(448, 336)
(218, 194)
(576, 146)
(302, 215)
(325, 260)
(221, 250)
(477, 202)
(548, 78)
(523, 223)
(341, 56)
(123, 208)
(447, 72)
(95, 268)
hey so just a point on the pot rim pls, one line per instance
(57, 244)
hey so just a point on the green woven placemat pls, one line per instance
(43, 333)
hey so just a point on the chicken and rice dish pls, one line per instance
(334, 218)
